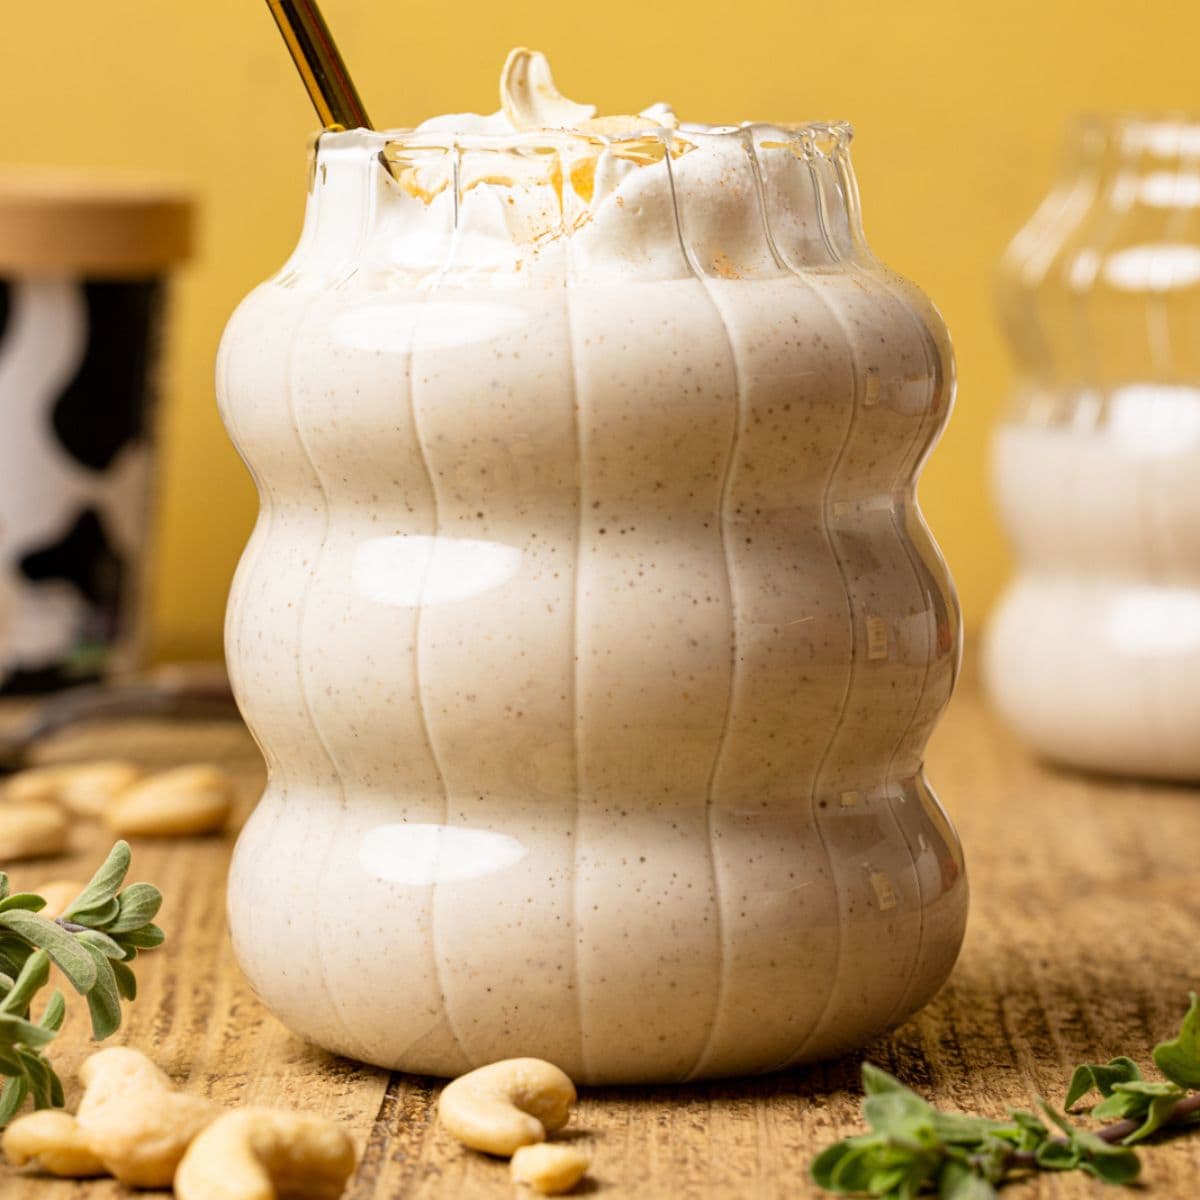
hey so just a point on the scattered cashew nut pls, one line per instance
(86, 789)
(548, 1168)
(31, 829)
(186, 800)
(262, 1153)
(57, 895)
(507, 1104)
(53, 1140)
(135, 1121)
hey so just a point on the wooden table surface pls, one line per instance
(1083, 941)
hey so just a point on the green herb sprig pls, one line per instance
(913, 1148)
(92, 943)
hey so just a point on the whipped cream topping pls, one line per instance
(507, 187)
(530, 102)
(529, 99)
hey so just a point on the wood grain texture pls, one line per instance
(1081, 945)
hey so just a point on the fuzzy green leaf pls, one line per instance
(95, 917)
(1179, 1059)
(107, 881)
(126, 980)
(16, 1031)
(72, 958)
(29, 901)
(41, 1079)
(12, 1096)
(104, 1000)
(139, 904)
(99, 940)
(145, 938)
(13, 953)
(1101, 1078)
(54, 1012)
(34, 975)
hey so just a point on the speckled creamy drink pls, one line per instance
(590, 628)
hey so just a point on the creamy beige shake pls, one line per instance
(590, 628)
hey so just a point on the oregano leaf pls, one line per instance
(899, 1114)
(1121, 1106)
(29, 901)
(1161, 1100)
(958, 1182)
(1101, 1078)
(1111, 1163)
(876, 1081)
(1179, 1059)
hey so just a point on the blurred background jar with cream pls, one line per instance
(1093, 654)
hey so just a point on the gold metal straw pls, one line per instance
(319, 63)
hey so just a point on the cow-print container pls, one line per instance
(83, 267)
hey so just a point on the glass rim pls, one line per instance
(816, 136)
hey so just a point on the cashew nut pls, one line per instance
(135, 1121)
(52, 1138)
(186, 800)
(506, 1105)
(31, 830)
(86, 789)
(58, 895)
(262, 1153)
(38, 785)
(548, 1168)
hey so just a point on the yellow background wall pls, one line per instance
(958, 107)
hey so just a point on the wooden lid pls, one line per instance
(90, 222)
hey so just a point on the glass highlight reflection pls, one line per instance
(411, 569)
(420, 855)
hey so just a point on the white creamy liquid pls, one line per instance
(590, 628)
(1094, 653)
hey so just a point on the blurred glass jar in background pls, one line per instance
(1093, 654)
(83, 261)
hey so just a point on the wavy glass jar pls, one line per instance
(1093, 654)
(590, 628)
